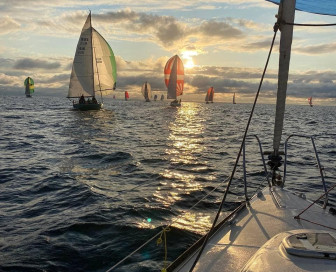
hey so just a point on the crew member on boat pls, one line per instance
(94, 100)
(82, 100)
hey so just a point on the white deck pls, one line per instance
(232, 246)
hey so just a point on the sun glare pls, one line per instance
(187, 55)
(189, 64)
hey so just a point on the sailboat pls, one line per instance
(234, 98)
(209, 95)
(93, 69)
(162, 97)
(146, 91)
(275, 230)
(310, 101)
(29, 87)
(174, 79)
(126, 95)
(155, 97)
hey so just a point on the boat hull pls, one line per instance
(175, 104)
(86, 107)
(28, 95)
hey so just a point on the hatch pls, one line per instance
(320, 245)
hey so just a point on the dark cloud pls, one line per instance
(219, 29)
(167, 29)
(27, 63)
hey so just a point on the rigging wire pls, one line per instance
(300, 218)
(276, 28)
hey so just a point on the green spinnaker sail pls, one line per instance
(29, 85)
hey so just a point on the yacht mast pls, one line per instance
(286, 14)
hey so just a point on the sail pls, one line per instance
(209, 95)
(105, 72)
(234, 98)
(326, 7)
(310, 101)
(212, 93)
(146, 90)
(94, 66)
(29, 85)
(174, 77)
(126, 95)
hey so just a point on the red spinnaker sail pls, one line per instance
(179, 73)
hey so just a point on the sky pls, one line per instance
(222, 43)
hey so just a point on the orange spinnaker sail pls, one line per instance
(179, 76)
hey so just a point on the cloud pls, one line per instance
(318, 49)
(219, 29)
(27, 63)
(8, 25)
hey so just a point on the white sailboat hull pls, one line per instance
(269, 214)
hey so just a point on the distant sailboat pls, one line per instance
(210, 95)
(162, 97)
(146, 91)
(29, 87)
(126, 95)
(234, 98)
(174, 79)
(155, 97)
(310, 101)
(93, 70)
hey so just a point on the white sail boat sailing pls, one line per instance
(174, 79)
(234, 98)
(274, 230)
(146, 91)
(93, 70)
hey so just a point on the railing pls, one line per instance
(285, 164)
(317, 160)
(244, 164)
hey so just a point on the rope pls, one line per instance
(160, 233)
(276, 27)
(159, 241)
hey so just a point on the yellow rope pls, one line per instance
(159, 241)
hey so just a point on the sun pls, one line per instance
(187, 55)
(190, 64)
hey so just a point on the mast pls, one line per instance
(286, 14)
(92, 56)
(94, 59)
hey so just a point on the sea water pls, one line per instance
(81, 190)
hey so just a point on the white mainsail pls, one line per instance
(94, 66)
(146, 90)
